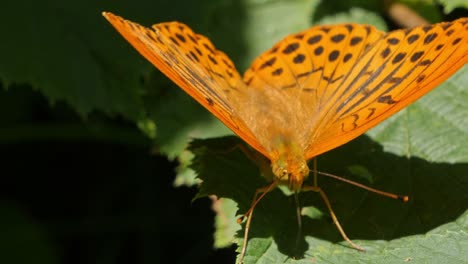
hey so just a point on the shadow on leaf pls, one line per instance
(436, 191)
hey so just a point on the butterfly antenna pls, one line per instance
(262, 192)
(403, 198)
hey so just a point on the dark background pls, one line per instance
(83, 199)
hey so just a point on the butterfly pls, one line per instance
(311, 92)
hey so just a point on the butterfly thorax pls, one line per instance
(288, 164)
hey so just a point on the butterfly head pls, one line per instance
(289, 165)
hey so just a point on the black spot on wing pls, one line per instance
(420, 78)
(290, 48)
(416, 56)
(427, 28)
(337, 38)
(277, 72)
(268, 63)
(347, 57)
(318, 51)
(425, 62)
(193, 56)
(386, 99)
(456, 41)
(212, 59)
(192, 39)
(411, 39)
(180, 37)
(399, 57)
(429, 38)
(314, 39)
(355, 40)
(333, 55)
(299, 58)
(208, 47)
(174, 40)
(393, 41)
(384, 54)
(299, 36)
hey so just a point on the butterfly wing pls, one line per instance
(392, 73)
(194, 64)
(304, 72)
(339, 81)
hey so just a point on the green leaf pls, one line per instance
(63, 52)
(390, 230)
(433, 127)
(357, 15)
(450, 5)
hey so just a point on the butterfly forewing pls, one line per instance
(395, 71)
(192, 62)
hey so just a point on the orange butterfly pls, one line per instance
(312, 92)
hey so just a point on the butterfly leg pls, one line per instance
(259, 194)
(316, 188)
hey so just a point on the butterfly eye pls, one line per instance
(283, 175)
